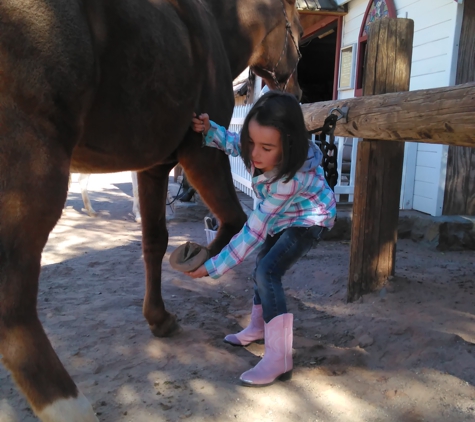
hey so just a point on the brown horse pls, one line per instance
(97, 86)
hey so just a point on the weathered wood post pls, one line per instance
(379, 163)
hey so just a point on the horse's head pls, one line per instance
(276, 59)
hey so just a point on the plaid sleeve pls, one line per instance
(219, 137)
(254, 232)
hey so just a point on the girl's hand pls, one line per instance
(200, 123)
(200, 272)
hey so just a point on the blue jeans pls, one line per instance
(275, 257)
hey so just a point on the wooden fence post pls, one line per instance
(379, 163)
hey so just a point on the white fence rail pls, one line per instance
(347, 148)
(241, 177)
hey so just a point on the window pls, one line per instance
(347, 67)
(376, 9)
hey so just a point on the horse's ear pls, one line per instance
(291, 2)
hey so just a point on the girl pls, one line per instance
(296, 208)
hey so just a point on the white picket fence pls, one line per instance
(241, 177)
(346, 180)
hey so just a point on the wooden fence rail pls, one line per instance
(435, 116)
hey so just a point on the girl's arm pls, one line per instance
(256, 229)
(217, 136)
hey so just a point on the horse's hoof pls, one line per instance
(91, 212)
(186, 195)
(169, 328)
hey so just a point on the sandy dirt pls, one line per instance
(405, 353)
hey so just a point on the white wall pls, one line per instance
(351, 29)
(436, 35)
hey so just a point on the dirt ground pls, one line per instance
(405, 353)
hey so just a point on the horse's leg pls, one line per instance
(83, 181)
(34, 173)
(153, 188)
(135, 195)
(209, 171)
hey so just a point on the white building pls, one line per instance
(437, 179)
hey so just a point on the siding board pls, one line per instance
(460, 182)
(434, 24)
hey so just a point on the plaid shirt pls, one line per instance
(305, 200)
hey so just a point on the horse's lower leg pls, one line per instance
(135, 197)
(188, 191)
(83, 180)
(153, 188)
(33, 190)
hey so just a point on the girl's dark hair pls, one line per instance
(281, 111)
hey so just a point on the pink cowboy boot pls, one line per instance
(254, 331)
(277, 361)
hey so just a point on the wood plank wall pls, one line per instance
(460, 180)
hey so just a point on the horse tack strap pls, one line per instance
(288, 31)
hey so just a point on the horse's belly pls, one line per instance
(86, 160)
(107, 155)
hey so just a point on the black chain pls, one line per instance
(329, 149)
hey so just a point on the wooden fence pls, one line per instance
(386, 116)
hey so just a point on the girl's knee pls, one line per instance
(261, 274)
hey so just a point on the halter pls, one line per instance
(288, 31)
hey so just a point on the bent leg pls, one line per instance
(290, 246)
(263, 250)
(153, 188)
